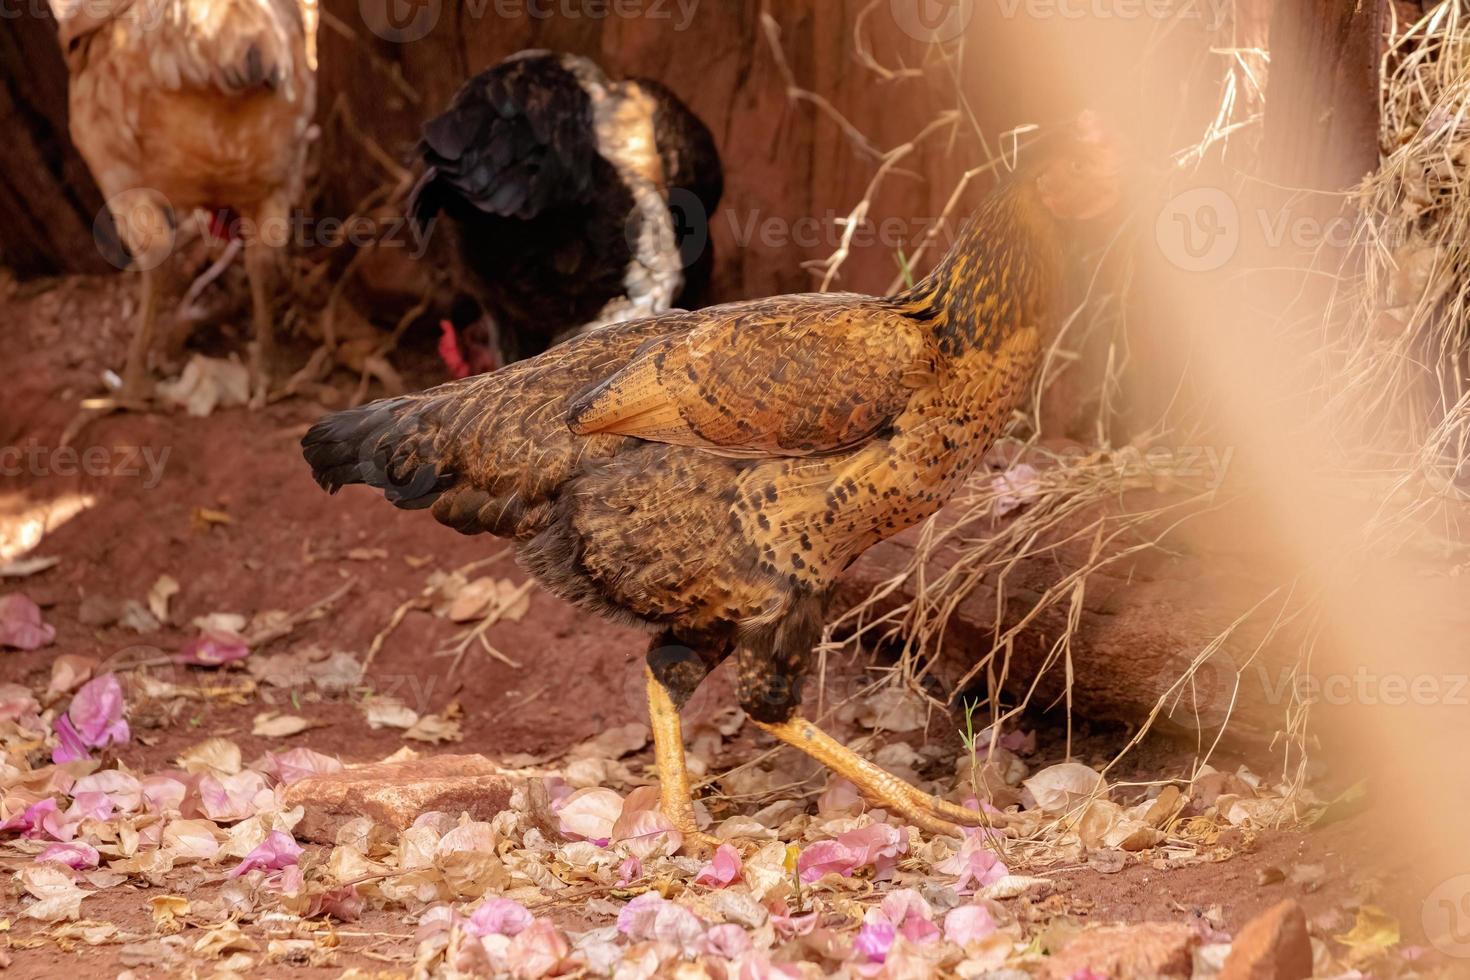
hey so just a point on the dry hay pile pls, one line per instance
(1389, 386)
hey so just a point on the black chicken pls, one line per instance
(572, 201)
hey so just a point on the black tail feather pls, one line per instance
(385, 444)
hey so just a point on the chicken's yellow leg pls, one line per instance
(137, 389)
(880, 786)
(675, 796)
(260, 269)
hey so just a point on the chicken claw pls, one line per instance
(883, 788)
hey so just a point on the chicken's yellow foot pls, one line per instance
(881, 787)
(137, 386)
(675, 796)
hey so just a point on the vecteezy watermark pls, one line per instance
(830, 231)
(1363, 686)
(1446, 917)
(403, 21)
(138, 229)
(1197, 692)
(1213, 13)
(1207, 465)
(932, 21)
(1200, 230)
(118, 462)
(400, 21)
(147, 14)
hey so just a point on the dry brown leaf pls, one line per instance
(435, 729)
(89, 931)
(218, 755)
(23, 567)
(167, 911)
(57, 896)
(224, 938)
(1059, 788)
(614, 743)
(1013, 886)
(487, 595)
(388, 712)
(270, 724)
(1107, 861)
(205, 517)
(160, 595)
(221, 622)
(69, 671)
(591, 813)
(207, 383)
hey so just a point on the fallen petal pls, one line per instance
(211, 648)
(722, 869)
(76, 855)
(277, 851)
(21, 625)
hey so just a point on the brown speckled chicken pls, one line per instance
(709, 475)
(184, 104)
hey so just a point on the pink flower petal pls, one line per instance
(647, 834)
(28, 821)
(91, 805)
(500, 917)
(791, 926)
(557, 791)
(21, 625)
(231, 797)
(277, 851)
(297, 764)
(1021, 743)
(590, 814)
(727, 940)
(676, 925)
(913, 916)
(825, 857)
(97, 713)
(968, 924)
(874, 940)
(537, 951)
(1015, 488)
(722, 869)
(211, 648)
(840, 798)
(124, 792)
(162, 792)
(77, 855)
(636, 918)
(975, 864)
(630, 870)
(755, 966)
(877, 844)
(57, 825)
(69, 744)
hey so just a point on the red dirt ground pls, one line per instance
(286, 545)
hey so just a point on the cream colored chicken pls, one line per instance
(178, 105)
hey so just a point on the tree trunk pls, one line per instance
(46, 192)
(1322, 98)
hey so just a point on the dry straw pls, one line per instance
(1393, 340)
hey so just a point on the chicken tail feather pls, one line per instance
(387, 444)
